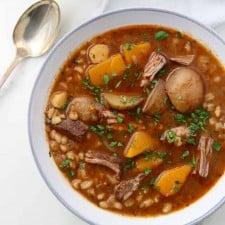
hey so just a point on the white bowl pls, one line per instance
(53, 177)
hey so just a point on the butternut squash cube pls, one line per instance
(143, 164)
(136, 53)
(138, 143)
(113, 65)
(170, 181)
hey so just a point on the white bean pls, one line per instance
(56, 120)
(218, 111)
(76, 183)
(117, 205)
(167, 207)
(104, 204)
(100, 196)
(63, 148)
(58, 138)
(70, 155)
(86, 184)
(129, 203)
(64, 140)
(146, 203)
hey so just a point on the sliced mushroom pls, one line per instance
(98, 53)
(121, 101)
(185, 89)
(156, 101)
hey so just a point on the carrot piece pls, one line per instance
(138, 143)
(136, 53)
(114, 65)
(170, 181)
(143, 164)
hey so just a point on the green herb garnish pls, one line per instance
(129, 164)
(160, 35)
(82, 164)
(216, 146)
(106, 79)
(147, 171)
(65, 163)
(152, 181)
(185, 154)
(130, 128)
(128, 46)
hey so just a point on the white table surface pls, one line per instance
(24, 197)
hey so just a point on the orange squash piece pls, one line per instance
(136, 53)
(143, 164)
(170, 181)
(138, 143)
(114, 65)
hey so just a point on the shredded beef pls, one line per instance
(112, 162)
(126, 188)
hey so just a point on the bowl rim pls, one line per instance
(52, 51)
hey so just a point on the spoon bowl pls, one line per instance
(35, 32)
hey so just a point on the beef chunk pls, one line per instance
(204, 156)
(74, 128)
(112, 162)
(127, 187)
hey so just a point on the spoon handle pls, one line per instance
(5, 76)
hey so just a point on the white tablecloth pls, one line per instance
(24, 197)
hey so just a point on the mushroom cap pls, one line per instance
(185, 89)
(155, 102)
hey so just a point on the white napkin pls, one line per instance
(209, 12)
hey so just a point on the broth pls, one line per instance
(135, 120)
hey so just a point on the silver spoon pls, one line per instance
(35, 32)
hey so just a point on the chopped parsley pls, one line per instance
(193, 161)
(126, 75)
(160, 48)
(95, 90)
(65, 106)
(128, 66)
(120, 119)
(110, 136)
(130, 128)
(160, 35)
(147, 171)
(82, 164)
(152, 181)
(71, 173)
(128, 46)
(106, 79)
(161, 72)
(185, 154)
(216, 146)
(129, 164)
(180, 118)
(99, 129)
(116, 143)
(65, 163)
(156, 118)
(171, 136)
